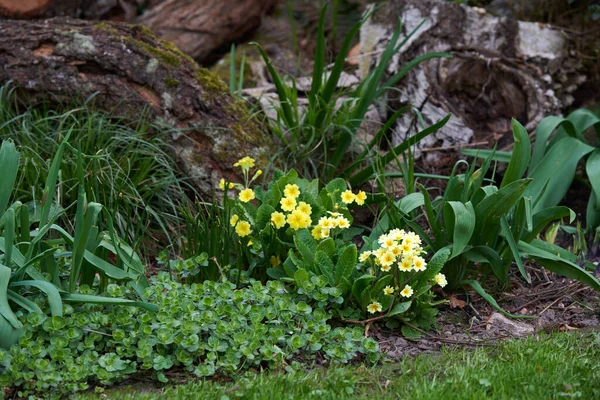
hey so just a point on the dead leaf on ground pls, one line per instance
(456, 303)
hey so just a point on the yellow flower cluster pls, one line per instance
(245, 163)
(298, 216)
(326, 224)
(399, 248)
(348, 197)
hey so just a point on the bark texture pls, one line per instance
(200, 27)
(500, 68)
(127, 71)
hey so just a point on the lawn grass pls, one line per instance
(559, 365)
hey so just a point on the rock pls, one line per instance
(499, 322)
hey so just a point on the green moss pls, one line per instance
(210, 81)
(171, 82)
(174, 49)
(166, 57)
(103, 26)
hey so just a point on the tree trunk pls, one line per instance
(128, 72)
(197, 27)
(500, 68)
(200, 27)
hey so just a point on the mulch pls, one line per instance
(555, 303)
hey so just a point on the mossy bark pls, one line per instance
(128, 72)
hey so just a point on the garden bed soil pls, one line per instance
(556, 303)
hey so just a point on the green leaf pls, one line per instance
(327, 246)
(89, 299)
(359, 287)
(5, 309)
(512, 244)
(263, 216)
(410, 333)
(556, 170)
(542, 134)
(485, 254)
(411, 202)
(54, 300)
(559, 265)
(592, 168)
(495, 205)
(435, 265)
(345, 266)
(400, 308)
(487, 297)
(301, 277)
(519, 160)
(324, 266)
(542, 218)
(459, 219)
(9, 165)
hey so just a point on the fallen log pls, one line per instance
(128, 72)
(200, 27)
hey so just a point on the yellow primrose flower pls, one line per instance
(374, 307)
(250, 243)
(395, 250)
(288, 203)
(278, 219)
(348, 197)
(360, 198)
(384, 268)
(298, 220)
(343, 222)
(234, 219)
(440, 279)
(397, 234)
(275, 261)
(316, 233)
(387, 241)
(405, 265)
(387, 259)
(419, 264)
(364, 256)
(379, 252)
(291, 190)
(407, 291)
(230, 185)
(325, 233)
(388, 290)
(325, 223)
(305, 208)
(246, 195)
(243, 228)
(245, 163)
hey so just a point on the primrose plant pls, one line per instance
(302, 234)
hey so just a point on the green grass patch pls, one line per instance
(128, 168)
(553, 366)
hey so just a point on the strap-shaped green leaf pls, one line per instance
(592, 168)
(459, 219)
(512, 244)
(9, 165)
(559, 265)
(556, 170)
(521, 154)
